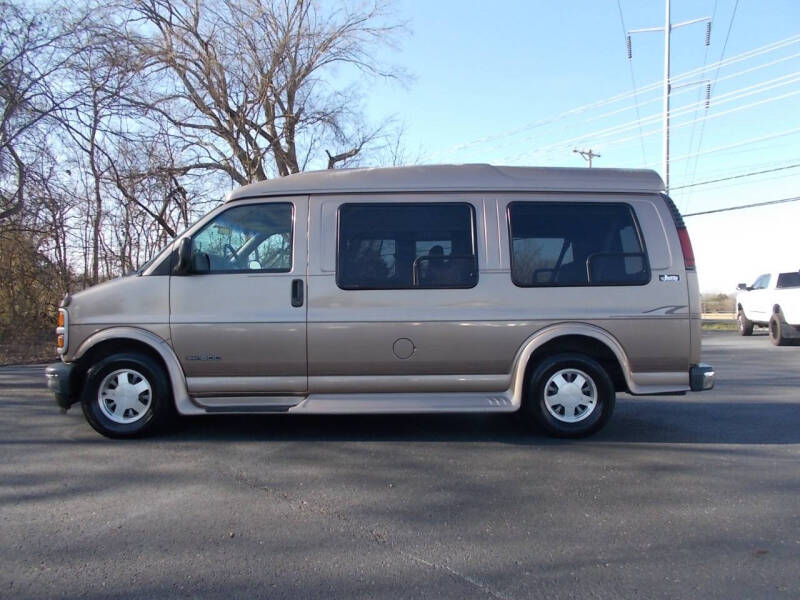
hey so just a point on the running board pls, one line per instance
(247, 404)
(404, 403)
(360, 403)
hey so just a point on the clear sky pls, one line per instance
(491, 81)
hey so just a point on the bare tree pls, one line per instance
(34, 48)
(121, 120)
(393, 150)
(251, 80)
(119, 144)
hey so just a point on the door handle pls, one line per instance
(297, 292)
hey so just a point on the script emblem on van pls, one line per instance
(669, 277)
(203, 357)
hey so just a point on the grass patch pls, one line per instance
(719, 326)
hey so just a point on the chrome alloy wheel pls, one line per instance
(570, 395)
(124, 396)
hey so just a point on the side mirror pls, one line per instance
(184, 256)
(741, 286)
(201, 263)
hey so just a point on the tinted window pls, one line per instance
(254, 237)
(400, 246)
(786, 280)
(575, 244)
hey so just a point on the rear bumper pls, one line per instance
(701, 377)
(59, 381)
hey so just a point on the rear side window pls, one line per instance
(575, 244)
(405, 246)
(787, 280)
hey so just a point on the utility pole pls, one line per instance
(587, 155)
(667, 29)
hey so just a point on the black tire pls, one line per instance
(777, 330)
(535, 406)
(156, 411)
(744, 325)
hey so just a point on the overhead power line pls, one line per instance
(704, 118)
(728, 171)
(727, 37)
(668, 83)
(731, 96)
(713, 85)
(755, 140)
(740, 176)
(686, 90)
(620, 129)
(708, 94)
(743, 206)
(771, 47)
(633, 84)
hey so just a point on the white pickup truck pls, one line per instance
(772, 301)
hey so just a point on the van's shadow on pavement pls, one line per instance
(635, 421)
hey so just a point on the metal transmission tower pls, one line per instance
(667, 29)
(587, 155)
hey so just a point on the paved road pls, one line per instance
(684, 497)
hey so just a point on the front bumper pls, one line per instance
(59, 381)
(701, 377)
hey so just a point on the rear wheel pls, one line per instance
(569, 395)
(126, 395)
(777, 330)
(744, 324)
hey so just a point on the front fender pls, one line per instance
(177, 378)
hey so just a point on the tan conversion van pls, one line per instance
(406, 290)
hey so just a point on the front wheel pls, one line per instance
(569, 395)
(744, 324)
(126, 395)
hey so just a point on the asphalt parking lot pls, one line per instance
(679, 497)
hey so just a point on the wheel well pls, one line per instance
(581, 344)
(107, 348)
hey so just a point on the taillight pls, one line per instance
(683, 234)
(60, 318)
(686, 248)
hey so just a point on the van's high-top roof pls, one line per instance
(456, 178)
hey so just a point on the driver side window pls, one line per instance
(253, 237)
